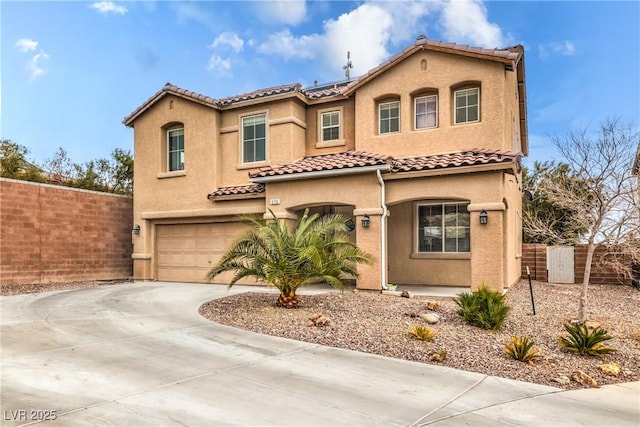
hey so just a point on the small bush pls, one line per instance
(521, 348)
(422, 333)
(484, 308)
(584, 342)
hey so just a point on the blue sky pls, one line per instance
(71, 71)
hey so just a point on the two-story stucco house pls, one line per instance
(423, 152)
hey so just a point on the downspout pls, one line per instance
(383, 230)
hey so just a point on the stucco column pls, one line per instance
(141, 253)
(487, 246)
(369, 240)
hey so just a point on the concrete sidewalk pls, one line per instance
(139, 354)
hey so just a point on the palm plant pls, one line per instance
(585, 342)
(317, 249)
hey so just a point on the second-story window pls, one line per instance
(330, 126)
(175, 150)
(426, 108)
(254, 138)
(389, 117)
(467, 105)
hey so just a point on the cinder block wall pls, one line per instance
(535, 256)
(51, 233)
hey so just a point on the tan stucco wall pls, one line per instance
(406, 267)
(313, 142)
(443, 71)
(285, 139)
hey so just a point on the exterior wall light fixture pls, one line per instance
(484, 217)
(366, 221)
(135, 229)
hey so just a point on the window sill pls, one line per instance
(172, 174)
(441, 255)
(467, 123)
(327, 144)
(254, 165)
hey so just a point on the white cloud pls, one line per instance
(282, 12)
(349, 32)
(288, 46)
(353, 32)
(565, 48)
(396, 23)
(192, 12)
(466, 21)
(109, 7)
(34, 66)
(228, 39)
(217, 63)
(26, 45)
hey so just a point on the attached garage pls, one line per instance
(186, 252)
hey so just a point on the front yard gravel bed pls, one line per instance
(375, 323)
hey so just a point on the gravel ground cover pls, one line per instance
(375, 323)
(33, 288)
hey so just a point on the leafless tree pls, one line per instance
(601, 191)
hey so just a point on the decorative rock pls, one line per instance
(433, 305)
(584, 379)
(411, 314)
(318, 320)
(438, 356)
(406, 294)
(430, 318)
(562, 379)
(612, 369)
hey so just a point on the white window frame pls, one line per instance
(180, 165)
(242, 138)
(443, 228)
(415, 110)
(330, 126)
(455, 107)
(382, 104)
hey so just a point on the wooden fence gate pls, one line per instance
(560, 264)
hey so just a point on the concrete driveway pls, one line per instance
(140, 355)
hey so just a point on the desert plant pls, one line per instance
(521, 348)
(421, 333)
(484, 308)
(585, 342)
(318, 248)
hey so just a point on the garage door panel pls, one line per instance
(186, 252)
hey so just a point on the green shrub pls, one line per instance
(521, 348)
(584, 342)
(484, 308)
(421, 333)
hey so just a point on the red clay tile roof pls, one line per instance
(357, 159)
(237, 190)
(324, 162)
(472, 157)
(260, 93)
(323, 91)
(168, 88)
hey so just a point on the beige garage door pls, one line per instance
(186, 252)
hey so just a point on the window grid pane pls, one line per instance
(467, 108)
(331, 126)
(443, 228)
(389, 114)
(175, 152)
(426, 112)
(254, 138)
